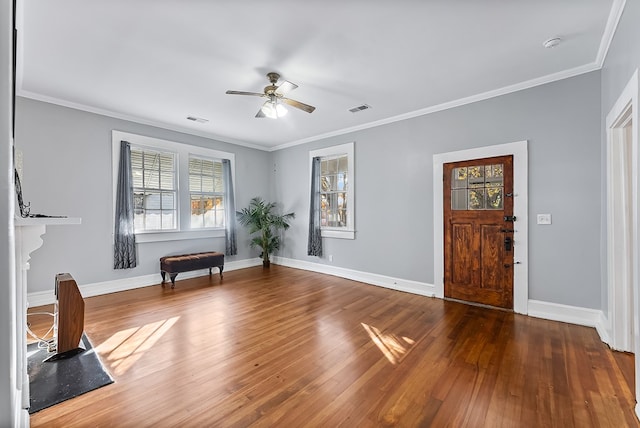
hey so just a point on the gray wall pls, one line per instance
(67, 171)
(622, 60)
(394, 203)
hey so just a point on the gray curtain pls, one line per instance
(231, 249)
(314, 246)
(125, 239)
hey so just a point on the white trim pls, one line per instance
(550, 78)
(340, 150)
(620, 260)
(610, 30)
(398, 284)
(627, 101)
(602, 327)
(520, 210)
(564, 313)
(40, 298)
(536, 308)
(131, 118)
(182, 152)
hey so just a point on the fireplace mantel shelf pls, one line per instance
(46, 221)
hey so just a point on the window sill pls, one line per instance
(142, 238)
(338, 233)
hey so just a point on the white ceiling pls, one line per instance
(159, 61)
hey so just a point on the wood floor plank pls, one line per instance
(290, 348)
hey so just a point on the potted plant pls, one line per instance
(261, 220)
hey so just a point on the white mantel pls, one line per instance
(28, 238)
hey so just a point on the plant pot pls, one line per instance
(266, 263)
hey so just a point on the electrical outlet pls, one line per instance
(330, 257)
(544, 218)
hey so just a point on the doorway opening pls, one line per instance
(622, 228)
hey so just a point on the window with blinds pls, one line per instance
(154, 190)
(334, 183)
(337, 190)
(206, 190)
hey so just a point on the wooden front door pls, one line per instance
(478, 233)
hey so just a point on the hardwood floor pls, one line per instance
(290, 348)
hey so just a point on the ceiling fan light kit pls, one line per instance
(273, 108)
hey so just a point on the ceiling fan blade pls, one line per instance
(260, 113)
(285, 87)
(298, 104)
(257, 94)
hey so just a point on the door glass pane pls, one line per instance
(493, 175)
(477, 187)
(459, 178)
(476, 199)
(459, 199)
(494, 198)
(476, 176)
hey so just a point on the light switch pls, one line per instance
(544, 218)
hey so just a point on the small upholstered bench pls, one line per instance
(173, 265)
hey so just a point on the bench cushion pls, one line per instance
(189, 262)
(173, 265)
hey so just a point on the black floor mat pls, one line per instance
(53, 382)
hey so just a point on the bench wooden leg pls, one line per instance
(221, 267)
(173, 279)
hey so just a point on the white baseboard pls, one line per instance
(536, 308)
(603, 328)
(399, 284)
(40, 298)
(564, 313)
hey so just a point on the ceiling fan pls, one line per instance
(273, 108)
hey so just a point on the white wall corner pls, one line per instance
(41, 298)
(564, 313)
(398, 284)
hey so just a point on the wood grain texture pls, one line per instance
(70, 313)
(478, 267)
(289, 348)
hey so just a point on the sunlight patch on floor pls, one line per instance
(125, 347)
(393, 347)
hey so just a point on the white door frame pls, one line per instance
(625, 110)
(520, 210)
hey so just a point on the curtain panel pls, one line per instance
(231, 248)
(125, 238)
(314, 245)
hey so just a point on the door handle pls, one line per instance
(508, 243)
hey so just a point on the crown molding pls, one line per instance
(131, 118)
(565, 74)
(610, 30)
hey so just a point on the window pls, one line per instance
(178, 188)
(206, 191)
(154, 190)
(477, 187)
(334, 183)
(336, 190)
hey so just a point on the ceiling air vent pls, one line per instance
(359, 108)
(197, 119)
